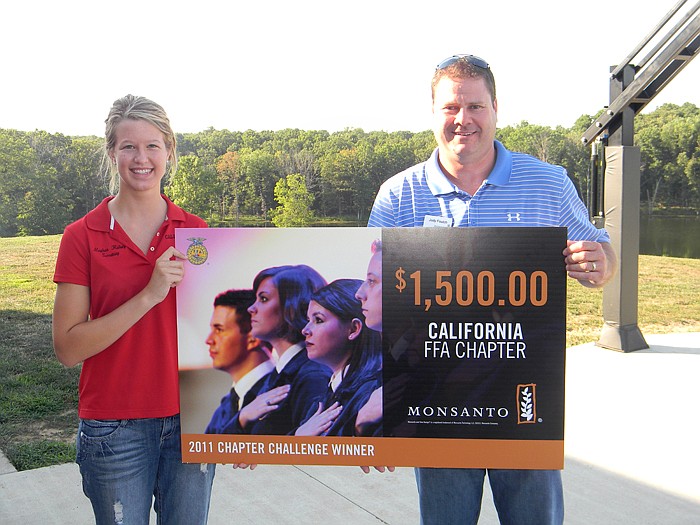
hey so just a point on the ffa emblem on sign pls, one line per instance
(197, 253)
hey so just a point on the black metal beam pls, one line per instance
(650, 80)
(661, 43)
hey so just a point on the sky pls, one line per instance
(270, 65)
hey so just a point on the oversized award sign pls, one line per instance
(472, 324)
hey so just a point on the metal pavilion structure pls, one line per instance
(613, 197)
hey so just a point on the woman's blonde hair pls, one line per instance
(136, 108)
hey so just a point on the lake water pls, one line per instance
(670, 236)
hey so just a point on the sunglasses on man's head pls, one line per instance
(470, 59)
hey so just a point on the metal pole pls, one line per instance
(621, 196)
(593, 182)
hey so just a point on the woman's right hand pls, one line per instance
(262, 405)
(321, 421)
(76, 337)
(167, 273)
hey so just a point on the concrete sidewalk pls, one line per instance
(632, 457)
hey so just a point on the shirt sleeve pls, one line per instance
(73, 261)
(382, 214)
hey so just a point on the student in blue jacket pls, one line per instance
(336, 336)
(278, 315)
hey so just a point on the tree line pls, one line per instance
(294, 177)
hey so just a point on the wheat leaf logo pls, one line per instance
(526, 403)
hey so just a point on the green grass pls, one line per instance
(36, 454)
(38, 396)
(669, 288)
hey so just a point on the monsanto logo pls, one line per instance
(527, 403)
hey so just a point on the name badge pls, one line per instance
(432, 221)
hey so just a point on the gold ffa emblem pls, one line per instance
(197, 253)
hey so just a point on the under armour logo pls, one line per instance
(513, 217)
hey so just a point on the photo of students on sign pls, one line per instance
(326, 346)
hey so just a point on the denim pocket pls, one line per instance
(99, 428)
(99, 437)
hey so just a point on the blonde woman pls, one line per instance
(114, 312)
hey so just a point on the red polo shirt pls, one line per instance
(137, 376)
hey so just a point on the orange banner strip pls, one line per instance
(355, 451)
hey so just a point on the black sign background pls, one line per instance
(441, 395)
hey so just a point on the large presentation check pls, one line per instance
(473, 324)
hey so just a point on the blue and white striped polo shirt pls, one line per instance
(520, 191)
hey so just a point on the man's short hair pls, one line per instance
(461, 69)
(240, 301)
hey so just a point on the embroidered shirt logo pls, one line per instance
(527, 403)
(513, 217)
(196, 252)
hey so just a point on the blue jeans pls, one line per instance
(126, 463)
(522, 497)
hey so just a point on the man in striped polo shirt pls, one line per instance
(471, 180)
